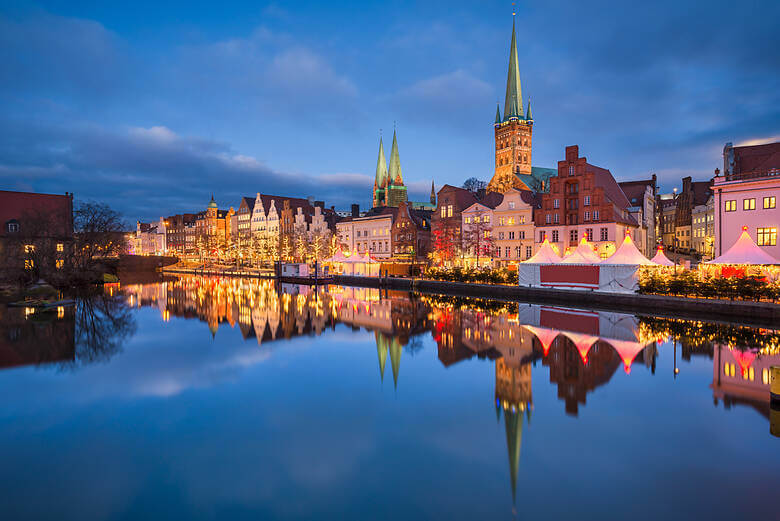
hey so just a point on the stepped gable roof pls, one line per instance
(757, 158)
(56, 209)
(279, 200)
(492, 199)
(463, 198)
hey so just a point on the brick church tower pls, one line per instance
(513, 132)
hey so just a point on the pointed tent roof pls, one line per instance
(513, 103)
(627, 351)
(381, 165)
(545, 255)
(546, 336)
(661, 259)
(395, 176)
(584, 254)
(745, 251)
(628, 253)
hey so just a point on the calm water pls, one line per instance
(223, 399)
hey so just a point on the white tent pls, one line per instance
(545, 255)
(745, 251)
(583, 254)
(661, 259)
(628, 253)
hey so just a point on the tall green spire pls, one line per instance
(513, 103)
(381, 165)
(395, 164)
(528, 115)
(498, 114)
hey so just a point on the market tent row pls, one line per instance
(745, 251)
(355, 264)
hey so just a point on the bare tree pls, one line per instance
(477, 235)
(472, 184)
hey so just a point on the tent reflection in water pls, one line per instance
(354, 264)
(582, 269)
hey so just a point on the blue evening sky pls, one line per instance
(154, 106)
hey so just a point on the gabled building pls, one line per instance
(584, 200)
(411, 235)
(693, 193)
(513, 227)
(446, 222)
(477, 230)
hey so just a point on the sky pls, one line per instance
(152, 107)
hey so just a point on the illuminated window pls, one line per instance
(748, 204)
(29, 248)
(28, 264)
(765, 376)
(731, 206)
(511, 221)
(449, 210)
(60, 246)
(767, 236)
(59, 263)
(468, 220)
(770, 202)
(444, 211)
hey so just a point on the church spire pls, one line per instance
(498, 114)
(381, 166)
(528, 115)
(433, 194)
(395, 164)
(513, 103)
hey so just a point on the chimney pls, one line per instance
(355, 210)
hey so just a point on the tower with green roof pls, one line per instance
(389, 189)
(513, 130)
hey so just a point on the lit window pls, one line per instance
(60, 247)
(28, 264)
(748, 204)
(59, 263)
(468, 220)
(770, 202)
(449, 210)
(731, 206)
(767, 236)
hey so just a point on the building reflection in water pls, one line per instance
(583, 350)
(31, 336)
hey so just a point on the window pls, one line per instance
(511, 235)
(556, 203)
(28, 264)
(485, 218)
(589, 234)
(547, 218)
(522, 234)
(767, 236)
(443, 212)
(449, 210)
(14, 227)
(555, 218)
(604, 234)
(498, 251)
(59, 263)
(60, 247)
(511, 221)
(541, 236)
(769, 202)
(587, 201)
(29, 248)
(573, 236)
(501, 221)
(571, 170)
(731, 206)
(468, 220)
(507, 251)
(555, 236)
(595, 215)
(522, 219)
(748, 204)
(587, 216)
(511, 205)
(528, 252)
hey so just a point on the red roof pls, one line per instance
(756, 158)
(23, 207)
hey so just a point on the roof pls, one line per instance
(538, 175)
(627, 253)
(248, 202)
(635, 190)
(394, 174)
(279, 200)
(492, 199)
(756, 158)
(702, 190)
(463, 198)
(381, 165)
(23, 207)
(513, 101)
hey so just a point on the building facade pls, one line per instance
(513, 227)
(584, 201)
(746, 194)
(703, 228)
(446, 223)
(642, 196)
(692, 194)
(411, 234)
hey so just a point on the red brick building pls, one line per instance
(411, 235)
(446, 233)
(584, 200)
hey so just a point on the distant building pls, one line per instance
(584, 201)
(411, 234)
(693, 193)
(746, 194)
(667, 209)
(703, 228)
(175, 227)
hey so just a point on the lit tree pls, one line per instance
(445, 241)
(286, 248)
(477, 235)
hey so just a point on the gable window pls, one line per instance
(511, 205)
